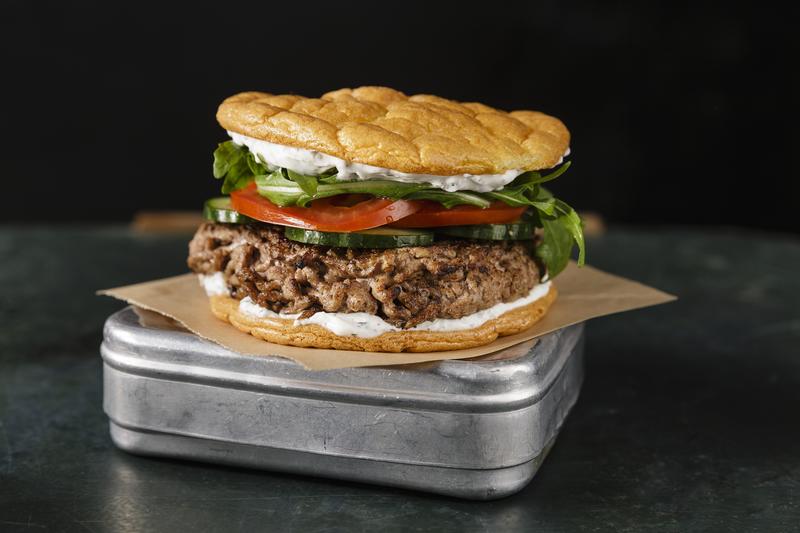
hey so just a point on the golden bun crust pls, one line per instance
(283, 331)
(421, 134)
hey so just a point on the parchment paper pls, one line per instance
(584, 293)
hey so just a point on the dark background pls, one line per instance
(679, 114)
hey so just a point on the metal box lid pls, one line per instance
(508, 380)
(493, 412)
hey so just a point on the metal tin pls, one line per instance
(475, 429)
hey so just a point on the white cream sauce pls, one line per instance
(214, 284)
(367, 326)
(312, 163)
(477, 319)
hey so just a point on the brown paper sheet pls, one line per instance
(584, 293)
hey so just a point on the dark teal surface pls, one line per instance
(689, 419)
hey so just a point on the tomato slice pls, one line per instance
(325, 214)
(434, 214)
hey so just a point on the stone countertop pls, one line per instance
(689, 419)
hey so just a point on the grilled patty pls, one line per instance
(404, 286)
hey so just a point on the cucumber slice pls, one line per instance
(220, 210)
(371, 238)
(516, 231)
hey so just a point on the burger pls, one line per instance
(371, 220)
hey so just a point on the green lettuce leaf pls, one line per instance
(307, 183)
(237, 165)
(282, 191)
(450, 199)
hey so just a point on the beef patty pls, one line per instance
(404, 286)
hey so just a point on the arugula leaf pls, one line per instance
(379, 188)
(525, 190)
(524, 197)
(555, 248)
(560, 231)
(573, 223)
(510, 196)
(534, 177)
(450, 199)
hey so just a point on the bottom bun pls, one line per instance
(284, 331)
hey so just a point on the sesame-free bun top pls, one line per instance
(421, 134)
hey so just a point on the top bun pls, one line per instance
(421, 134)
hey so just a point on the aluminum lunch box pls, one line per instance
(475, 429)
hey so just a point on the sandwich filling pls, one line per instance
(262, 188)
